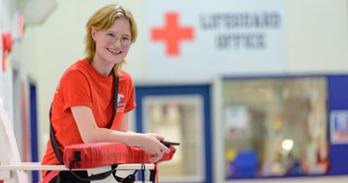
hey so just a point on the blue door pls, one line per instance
(179, 113)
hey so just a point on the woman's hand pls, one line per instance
(151, 144)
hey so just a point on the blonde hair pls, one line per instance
(102, 20)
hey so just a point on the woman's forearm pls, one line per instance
(107, 135)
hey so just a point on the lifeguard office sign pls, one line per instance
(206, 37)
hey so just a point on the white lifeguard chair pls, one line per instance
(13, 170)
(9, 153)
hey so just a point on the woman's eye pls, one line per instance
(110, 34)
(125, 38)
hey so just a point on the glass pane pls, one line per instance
(178, 119)
(275, 127)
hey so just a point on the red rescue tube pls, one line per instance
(104, 154)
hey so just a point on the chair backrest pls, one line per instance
(9, 153)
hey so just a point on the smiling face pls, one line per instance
(104, 30)
(112, 44)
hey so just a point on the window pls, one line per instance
(275, 127)
(179, 119)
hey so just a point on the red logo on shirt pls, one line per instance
(172, 33)
(120, 103)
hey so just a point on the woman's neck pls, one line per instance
(102, 68)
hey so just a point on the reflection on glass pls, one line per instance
(178, 119)
(275, 127)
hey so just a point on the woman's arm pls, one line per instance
(91, 133)
(124, 123)
(124, 128)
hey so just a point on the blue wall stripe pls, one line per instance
(33, 130)
(338, 100)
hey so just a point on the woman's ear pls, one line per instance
(93, 33)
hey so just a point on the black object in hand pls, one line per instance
(168, 143)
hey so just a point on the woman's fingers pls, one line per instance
(156, 157)
(162, 149)
(159, 137)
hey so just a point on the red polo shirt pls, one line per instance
(82, 85)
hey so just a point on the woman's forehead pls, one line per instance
(120, 26)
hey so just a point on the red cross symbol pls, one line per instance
(172, 33)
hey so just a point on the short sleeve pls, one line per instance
(76, 90)
(131, 100)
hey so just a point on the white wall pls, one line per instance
(318, 35)
(11, 154)
(317, 42)
(7, 8)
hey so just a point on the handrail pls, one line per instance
(30, 166)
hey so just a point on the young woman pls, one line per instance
(83, 105)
